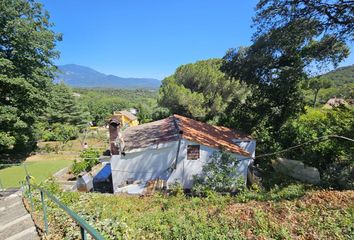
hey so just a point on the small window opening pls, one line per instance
(193, 152)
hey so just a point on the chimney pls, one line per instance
(114, 126)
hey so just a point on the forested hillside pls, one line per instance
(341, 76)
(101, 103)
(337, 83)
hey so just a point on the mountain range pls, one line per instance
(85, 77)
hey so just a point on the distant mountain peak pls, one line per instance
(85, 77)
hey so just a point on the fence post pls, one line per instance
(29, 192)
(44, 213)
(28, 178)
(83, 233)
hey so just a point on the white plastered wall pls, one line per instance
(153, 162)
(186, 169)
(143, 164)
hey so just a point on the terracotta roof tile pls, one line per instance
(148, 134)
(211, 136)
(165, 130)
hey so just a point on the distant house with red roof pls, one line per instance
(174, 149)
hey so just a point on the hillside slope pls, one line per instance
(312, 215)
(341, 76)
(85, 77)
(342, 80)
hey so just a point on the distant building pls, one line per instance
(172, 150)
(133, 111)
(126, 118)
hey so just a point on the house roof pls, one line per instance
(211, 135)
(128, 114)
(168, 129)
(148, 134)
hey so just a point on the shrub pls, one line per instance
(79, 167)
(331, 156)
(60, 132)
(176, 189)
(88, 159)
(219, 175)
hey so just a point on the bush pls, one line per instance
(328, 156)
(219, 175)
(79, 167)
(60, 132)
(176, 189)
(88, 159)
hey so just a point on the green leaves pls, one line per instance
(199, 90)
(335, 17)
(26, 52)
(89, 158)
(219, 175)
(332, 156)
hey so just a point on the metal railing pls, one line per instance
(84, 226)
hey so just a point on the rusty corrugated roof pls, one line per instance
(166, 130)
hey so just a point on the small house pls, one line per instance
(126, 118)
(174, 149)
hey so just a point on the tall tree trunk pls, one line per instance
(315, 99)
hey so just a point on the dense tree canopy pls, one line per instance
(64, 117)
(27, 48)
(101, 103)
(334, 157)
(316, 84)
(64, 107)
(333, 16)
(199, 90)
(275, 66)
(294, 41)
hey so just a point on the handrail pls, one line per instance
(84, 226)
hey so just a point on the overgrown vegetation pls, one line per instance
(101, 103)
(334, 157)
(317, 214)
(219, 175)
(88, 159)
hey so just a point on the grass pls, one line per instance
(40, 170)
(47, 161)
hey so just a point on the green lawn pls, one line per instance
(40, 170)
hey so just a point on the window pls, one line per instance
(193, 152)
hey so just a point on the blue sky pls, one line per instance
(152, 38)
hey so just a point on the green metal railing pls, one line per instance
(28, 190)
(84, 226)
